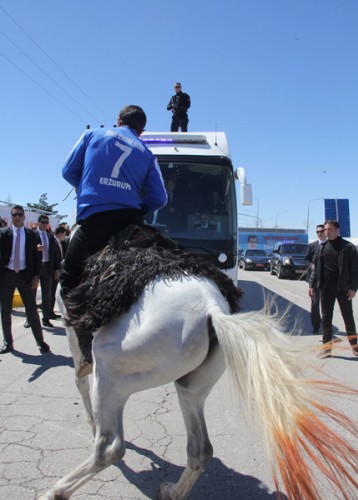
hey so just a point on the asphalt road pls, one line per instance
(44, 433)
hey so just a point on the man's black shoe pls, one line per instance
(315, 331)
(6, 348)
(39, 306)
(47, 323)
(26, 324)
(44, 347)
(55, 316)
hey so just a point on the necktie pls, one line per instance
(45, 244)
(59, 244)
(17, 252)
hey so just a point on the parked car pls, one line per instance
(253, 259)
(288, 260)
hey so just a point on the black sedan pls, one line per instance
(288, 260)
(254, 259)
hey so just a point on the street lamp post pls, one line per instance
(308, 212)
(283, 212)
(248, 215)
(264, 220)
(258, 220)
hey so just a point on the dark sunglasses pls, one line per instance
(17, 214)
(44, 222)
(319, 232)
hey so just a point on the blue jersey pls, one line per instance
(111, 169)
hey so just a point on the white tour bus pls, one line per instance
(201, 212)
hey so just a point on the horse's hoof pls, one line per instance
(166, 492)
(51, 496)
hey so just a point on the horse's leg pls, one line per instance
(193, 390)
(82, 383)
(109, 446)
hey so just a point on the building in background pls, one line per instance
(266, 238)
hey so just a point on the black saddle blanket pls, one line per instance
(116, 276)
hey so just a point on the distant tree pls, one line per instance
(44, 206)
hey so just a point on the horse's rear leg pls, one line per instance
(193, 390)
(108, 448)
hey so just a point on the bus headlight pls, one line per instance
(222, 258)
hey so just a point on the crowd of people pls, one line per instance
(29, 258)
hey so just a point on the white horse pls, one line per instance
(181, 330)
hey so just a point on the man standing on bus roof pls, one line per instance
(109, 167)
(179, 105)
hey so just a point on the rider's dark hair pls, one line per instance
(133, 117)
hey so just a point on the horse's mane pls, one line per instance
(116, 276)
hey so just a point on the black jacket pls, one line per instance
(54, 253)
(32, 256)
(309, 258)
(179, 103)
(347, 268)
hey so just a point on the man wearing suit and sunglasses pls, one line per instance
(50, 267)
(19, 268)
(316, 297)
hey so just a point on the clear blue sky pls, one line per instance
(280, 77)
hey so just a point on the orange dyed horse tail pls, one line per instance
(265, 370)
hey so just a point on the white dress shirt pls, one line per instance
(16, 231)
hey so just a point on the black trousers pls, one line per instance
(315, 309)
(46, 290)
(53, 294)
(93, 235)
(179, 121)
(328, 299)
(9, 281)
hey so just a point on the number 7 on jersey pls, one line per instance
(126, 152)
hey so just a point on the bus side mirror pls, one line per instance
(246, 194)
(245, 188)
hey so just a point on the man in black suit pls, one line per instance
(50, 267)
(316, 297)
(19, 268)
(335, 273)
(62, 243)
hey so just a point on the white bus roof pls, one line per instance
(196, 143)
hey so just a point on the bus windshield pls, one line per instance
(201, 210)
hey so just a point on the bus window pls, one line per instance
(197, 190)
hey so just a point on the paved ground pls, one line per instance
(44, 434)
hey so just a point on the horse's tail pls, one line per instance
(265, 370)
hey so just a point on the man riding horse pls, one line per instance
(110, 169)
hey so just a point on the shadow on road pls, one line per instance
(58, 330)
(217, 480)
(44, 362)
(297, 320)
